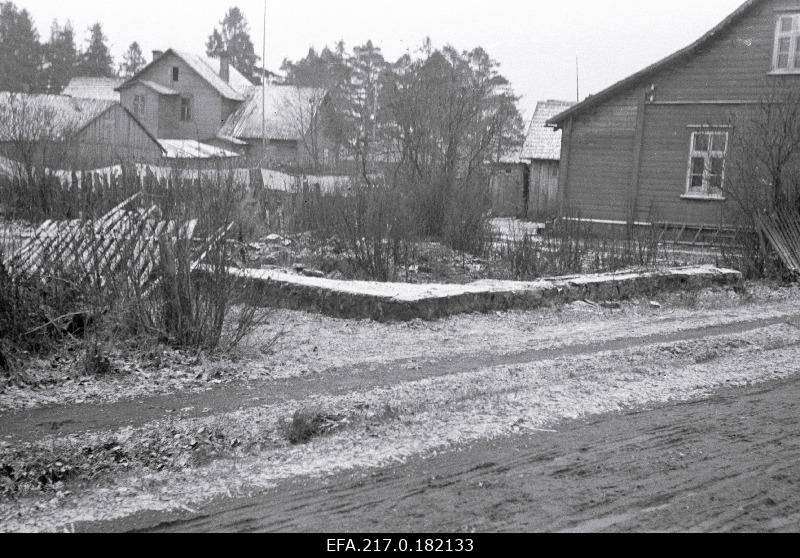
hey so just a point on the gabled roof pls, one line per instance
(288, 110)
(103, 89)
(658, 66)
(544, 143)
(235, 89)
(64, 115)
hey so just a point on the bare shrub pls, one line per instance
(572, 246)
(187, 299)
(763, 177)
(305, 425)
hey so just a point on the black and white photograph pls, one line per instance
(399, 275)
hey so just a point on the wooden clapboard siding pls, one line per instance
(735, 66)
(543, 189)
(665, 158)
(122, 139)
(607, 167)
(600, 159)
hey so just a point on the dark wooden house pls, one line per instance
(659, 142)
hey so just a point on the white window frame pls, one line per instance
(793, 62)
(707, 191)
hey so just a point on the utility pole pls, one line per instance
(264, 78)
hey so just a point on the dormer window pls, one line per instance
(176, 74)
(786, 57)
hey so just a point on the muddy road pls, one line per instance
(650, 418)
(730, 463)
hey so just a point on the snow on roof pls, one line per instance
(93, 88)
(543, 143)
(61, 114)
(157, 87)
(288, 110)
(236, 88)
(193, 149)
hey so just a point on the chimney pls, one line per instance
(157, 54)
(225, 67)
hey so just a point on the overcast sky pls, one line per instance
(535, 41)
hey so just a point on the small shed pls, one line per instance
(542, 154)
(507, 184)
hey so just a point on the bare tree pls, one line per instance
(305, 109)
(35, 136)
(763, 174)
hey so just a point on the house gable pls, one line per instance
(628, 151)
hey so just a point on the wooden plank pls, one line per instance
(636, 165)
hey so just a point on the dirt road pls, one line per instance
(728, 463)
(674, 419)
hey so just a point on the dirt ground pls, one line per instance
(729, 463)
(680, 415)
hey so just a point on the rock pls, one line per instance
(274, 238)
(313, 273)
(654, 304)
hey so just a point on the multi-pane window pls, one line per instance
(707, 163)
(139, 105)
(186, 109)
(176, 73)
(786, 57)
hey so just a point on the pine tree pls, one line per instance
(97, 60)
(133, 61)
(20, 51)
(60, 56)
(234, 41)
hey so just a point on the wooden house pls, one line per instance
(659, 142)
(56, 131)
(180, 95)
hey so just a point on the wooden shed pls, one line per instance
(542, 154)
(57, 131)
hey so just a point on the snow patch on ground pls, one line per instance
(436, 414)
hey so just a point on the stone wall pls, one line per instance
(342, 299)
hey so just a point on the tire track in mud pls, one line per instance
(31, 424)
(729, 463)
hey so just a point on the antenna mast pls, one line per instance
(264, 78)
(578, 79)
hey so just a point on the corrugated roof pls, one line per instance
(236, 88)
(542, 142)
(93, 88)
(63, 115)
(286, 109)
(193, 149)
(650, 70)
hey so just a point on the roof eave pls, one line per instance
(556, 122)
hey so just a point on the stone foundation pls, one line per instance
(400, 302)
